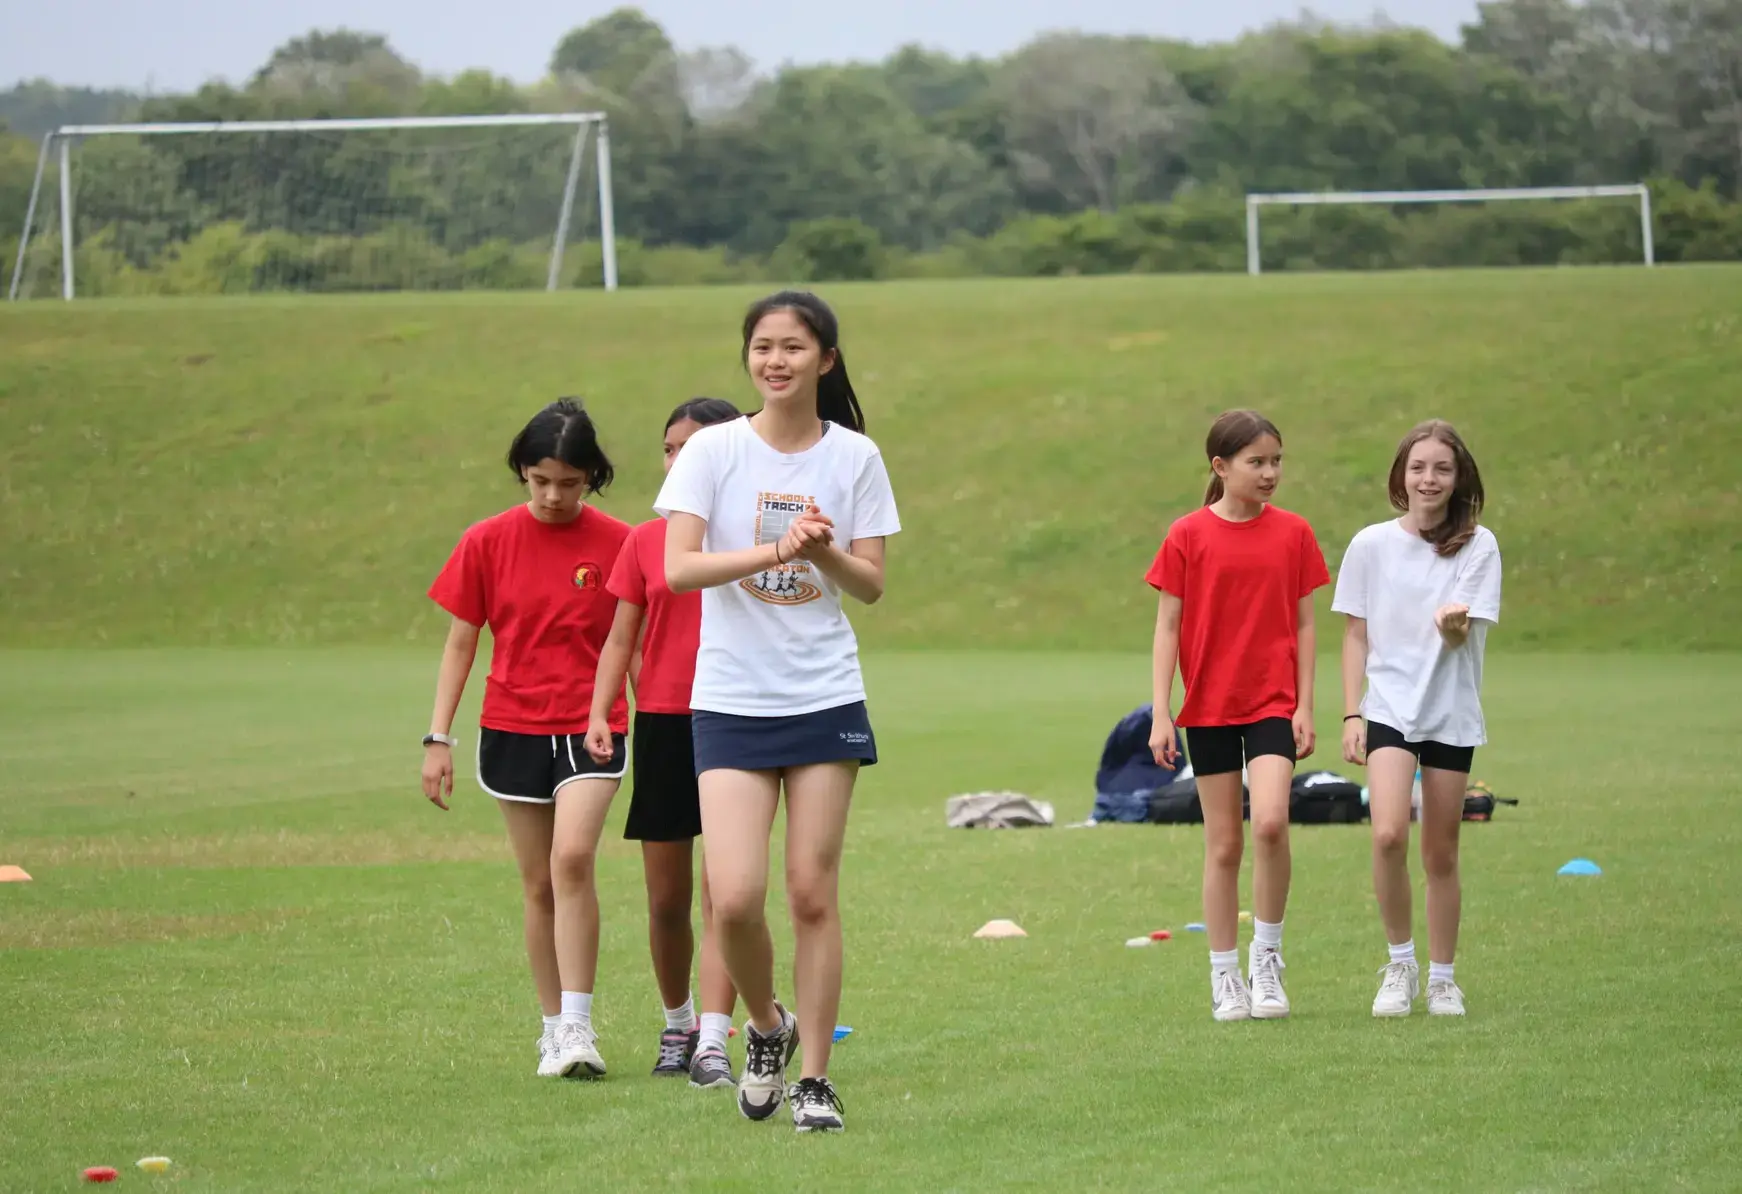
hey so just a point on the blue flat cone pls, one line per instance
(842, 1030)
(1195, 927)
(1580, 866)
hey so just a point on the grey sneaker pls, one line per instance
(677, 1049)
(711, 1068)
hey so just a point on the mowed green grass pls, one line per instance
(294, 471)
(252, 947)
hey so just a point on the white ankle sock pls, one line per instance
(716, 1027)
(1404, 952)
(1266, 935)
(578, 1006)
(1225, 960)
(1439, 972)
(682, 1019)
(550, 1022)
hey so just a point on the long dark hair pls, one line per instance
(704, 412)
(836, 400)
(1464, 510)
(562, 431)
(1232, 431)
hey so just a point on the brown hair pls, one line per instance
(1232, 431)
(1465, 508)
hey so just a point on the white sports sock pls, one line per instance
(716, 1027)
(550, 1022)
(1439, 972)
(578, 1006)
(682, 1019)
(1225, 960)
(1404, 952)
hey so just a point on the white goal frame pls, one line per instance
(1313, 198)
(63, 138)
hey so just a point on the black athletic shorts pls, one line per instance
(665, 806)
(1437, 755)
(1217, 750)
(531, 767)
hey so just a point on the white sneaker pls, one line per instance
(1444, 999)
(1397, 989)
(1269, 1000)
(763, 1084)
(1229, 999)
(578, 1051)
(549, 1056)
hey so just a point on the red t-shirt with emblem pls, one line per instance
(672, 632)
(1239, 585)
(540, 588)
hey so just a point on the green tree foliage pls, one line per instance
(1073, 154)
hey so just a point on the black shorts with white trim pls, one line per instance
(531, 768)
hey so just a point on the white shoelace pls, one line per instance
(571, 1034)
(1396, 977)
(1228, 988)
(1267, 975)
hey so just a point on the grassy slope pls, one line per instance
(289, 471)
(250, 946)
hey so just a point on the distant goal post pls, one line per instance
(1256, 202)
(57, 154)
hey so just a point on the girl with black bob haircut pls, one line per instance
(775, 519)
(535, 575)
(564, 432)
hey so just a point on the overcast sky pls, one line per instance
(175, 45)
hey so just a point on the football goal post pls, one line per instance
(392, 203)
(1254, 203)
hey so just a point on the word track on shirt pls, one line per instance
(786, 584)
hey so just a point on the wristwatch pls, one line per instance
(444, 739)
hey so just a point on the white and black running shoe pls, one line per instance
(763, 1085)
(815, 1105)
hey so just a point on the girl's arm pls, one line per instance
(859, 570)
(1305, 666)
(1162, 741)
(1354, 674)
(438, 758)
(688, 567)
(615, 660)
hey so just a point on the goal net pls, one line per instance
(1370, 241)
(426, 203)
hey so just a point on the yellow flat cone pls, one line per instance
(13, 874)
(1000, 928)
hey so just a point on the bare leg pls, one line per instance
(817, 800)
(1224, 842)
(580, 817)
(737, 816)
(670, 873)
(717, 994)
(529, 831)
(1272, 866)
(1390, 777)
(1442, 816)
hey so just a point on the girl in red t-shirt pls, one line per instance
(1236, 616)
(535, 575)
(665, 809)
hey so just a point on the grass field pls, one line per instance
(282, 471)
(251, 947)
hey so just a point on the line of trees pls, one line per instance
(1075, 153)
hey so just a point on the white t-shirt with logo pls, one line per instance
(778, 643)
(1416, 684)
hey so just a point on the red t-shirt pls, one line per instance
(540, 588)
(673, 630)
(1239, 585)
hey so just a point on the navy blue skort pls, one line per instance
(726, 741)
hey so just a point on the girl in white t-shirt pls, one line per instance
(1420, 593)
(774, 517)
